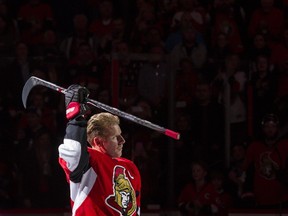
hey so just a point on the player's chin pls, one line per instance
(119, 152)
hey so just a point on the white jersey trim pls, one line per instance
(70, 152)
(80, 191)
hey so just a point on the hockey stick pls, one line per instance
(34, 81)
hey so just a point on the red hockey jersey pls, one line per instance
(106, 186)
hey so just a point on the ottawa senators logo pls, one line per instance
(123, 199)
(268, 166)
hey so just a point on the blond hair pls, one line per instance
(99, 124)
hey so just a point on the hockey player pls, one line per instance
(101, 181)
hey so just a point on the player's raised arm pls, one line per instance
(73, 155)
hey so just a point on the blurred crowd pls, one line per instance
(210, 69)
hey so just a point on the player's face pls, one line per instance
(113, 144)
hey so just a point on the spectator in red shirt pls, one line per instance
(146, 19)
(218, 50)
(102, 26)
(240, 191)
(264, 86)
(198, 196)
(186, 80)
(267, 19)
(279, 56)
(199, 17)
(223, 201)
(258, 46)
(268, 155)
(226, 19)
(33, 17)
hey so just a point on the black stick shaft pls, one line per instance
(34, 81)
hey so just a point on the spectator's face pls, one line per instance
(232, 62)
(262, 63)
(118, 27)
(259, 41)
(183, 122)
(50, 37)
(146, 110)
(221, 40)
(189, 35)
(270, 129)
(154, 37)
(203, 92)
(80, 22)
(186, 19)
(122, 48)
(238, 152)
(198, 172)
(217, 182)
(106, 9)
(85, 52)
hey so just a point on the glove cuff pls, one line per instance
(73, 109)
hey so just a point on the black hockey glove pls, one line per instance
(75, 101)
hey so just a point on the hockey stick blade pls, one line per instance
(35, 81)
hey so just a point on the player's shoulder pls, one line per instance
(127, 163)
(125, 160)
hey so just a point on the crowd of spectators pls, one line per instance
(202, 63)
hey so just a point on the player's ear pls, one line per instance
(97, 141)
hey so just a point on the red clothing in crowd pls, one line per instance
(33, 17)
(101, 28)
(271, 23)
(225, 23)
(267, 161)
(206, 196)
(279, 55)
(223, 202)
